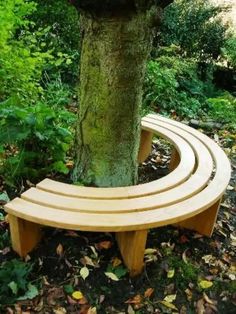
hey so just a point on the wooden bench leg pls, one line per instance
(174, 160)
(145, 147)
(25, 235)
(204, 222)
(132, 246)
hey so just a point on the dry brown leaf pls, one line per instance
(60, 310)
(135, 300)
(59, 249)
(148, 292)
(116, 262)
(104, 245)
(92, 310)
(200, 307)
(189, 294)
(207, 299)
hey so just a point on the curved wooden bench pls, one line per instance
(189, 196)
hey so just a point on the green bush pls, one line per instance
(172, 86)
(194, 26)
(21, 59)
(61, 21)
(223, 109)
(34, 141)
(15, 285)
(229, 51)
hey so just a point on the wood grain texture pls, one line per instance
(145, 147)
(189, 197)
(132, 246)
(204, 222)
(25, 235)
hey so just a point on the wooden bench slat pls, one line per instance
(179, 175)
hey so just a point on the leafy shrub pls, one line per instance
(195, 26)
(34, 141)
(229, 51)
(173, 86)
(62, 37)
(15, 285)
(223, 109)
(21, 59)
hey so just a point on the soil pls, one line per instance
(178, 262)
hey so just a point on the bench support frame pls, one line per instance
(25, 235)
(204, 222)
(132, 246)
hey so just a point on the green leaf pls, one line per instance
(68, 289)
(31, 293)
(13, 286)
(60, 167)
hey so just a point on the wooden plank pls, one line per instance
(179, 175)
(204, 222)
(25, 235)
(132, 246)
(175, 159)
(145, 145)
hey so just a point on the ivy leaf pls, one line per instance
(13, 286)
(31, 293)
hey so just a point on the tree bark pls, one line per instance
(116, 40)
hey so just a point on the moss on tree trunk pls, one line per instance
(115, 47)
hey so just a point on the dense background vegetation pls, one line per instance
(39, 59)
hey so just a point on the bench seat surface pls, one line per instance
(198, 182)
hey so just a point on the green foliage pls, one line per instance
(34, 140)
(195, 26)
(223, 109)
(61, 20)
(15, 285)
(184, 272)
(21, 59)
(229, 51)
(173, 86)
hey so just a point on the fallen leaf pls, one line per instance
(77, 295)
(104, 245)
(71, 301)
(59, 249)
(112, 276)
(130, 310)
(183, 239)
(84, 272)
(135, 300)
(207, 299)
(92, 310)
(170, 298)
(116, 262)
(148, 292)
(205, 284)
(59, 310)
(150, 251)
(170, 273)
(200, 306)
(184, 256)
(83, 301)
(169, 305)
(189, 294)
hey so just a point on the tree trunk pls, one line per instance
(116, 40)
